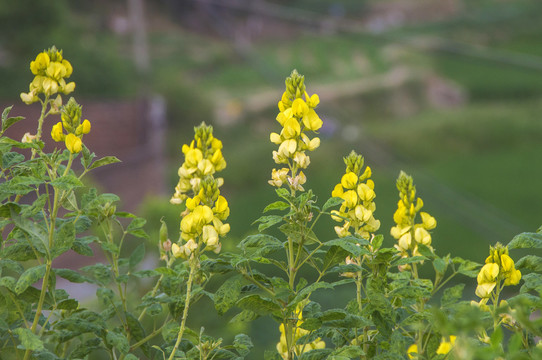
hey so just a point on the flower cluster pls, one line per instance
(499, 267)
(407, 232)
(202, 222)
(357, 191)
(297, 116)
(282, 346)
(51, 71)
(71, 122)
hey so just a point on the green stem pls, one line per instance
(193, 265)
(148, 337)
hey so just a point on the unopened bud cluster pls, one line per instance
(51, 71)
(70, 115)
(357, 191)
(202, 222)
(407, 232)
(297, 117)
(499, 267)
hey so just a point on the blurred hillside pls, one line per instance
(449, 91)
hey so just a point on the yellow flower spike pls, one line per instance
(57, 133)
(55, 71)
(412, 351)
(349, 180)
(206, 167)
(73, 143)
(299, 108)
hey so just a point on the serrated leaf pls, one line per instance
(104, 161)
(137, 256)
(277, 205)
(526, 241)
(227, 294)
(29, 341)
(29, 277)
(331, 202)
(66, 182)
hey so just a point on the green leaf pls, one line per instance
(258, 304)
(72, 276)
(84, 349)
(408, 260)
(305, 292)
(66, 182)
(80, 245)
(318, 354)
(467, 267)
(8, 282)
(331, 202)
(137, 255)
(104, 161)
(440, 265)
(18, 252)
(277, 205)
(532, 281)
(242, 344)
(351, 244)
(68, 304)
(227, 294)
(452, 295)
(244, 316)
(376, 243)
(64, 239)
(530, 262)
(29, 277)
(526, 241)
(268, 221)
(137, 330)
(8, 121)
(349, 351)
(11, 158)
(29, 341)
(118, 341)
(11, 265)
(36, 206)
(136, 223)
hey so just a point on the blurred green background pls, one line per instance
(449, 91)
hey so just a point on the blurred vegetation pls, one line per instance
(474, 164)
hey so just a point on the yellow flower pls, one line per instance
(291, 129)
(73, 143)
(337, 191)
(350, 198)
(40, 64)
(312, 121)
(446, 345)
(428, 221)
(299, 108)
(412, 351)
(513, 278)
(349, 180)
(365, 192)
(86, 127)
(210, 235)
(57, 133)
